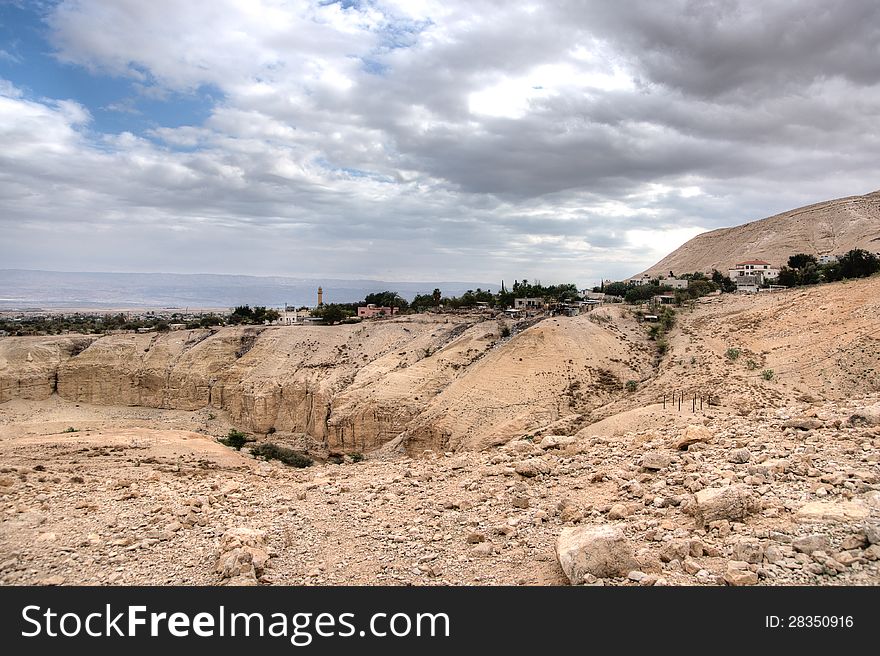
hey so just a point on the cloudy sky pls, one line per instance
(421, 140)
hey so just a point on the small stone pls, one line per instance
(483, 549)
(809, 543)
(51, 580)
(748, 550)
(531, 467)
(618, 511)
(655, 460)
(872, 531)
(691, 566)
(520, 502)
(475, 538)
(803, 423)
(740, 456)
(739, 574)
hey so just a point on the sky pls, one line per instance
(419, 140)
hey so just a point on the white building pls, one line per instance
(675, 283)
(763, 271)
(288, 316)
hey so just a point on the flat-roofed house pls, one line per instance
(761, 270)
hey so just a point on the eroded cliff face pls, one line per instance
(425, 381)
(29, 365)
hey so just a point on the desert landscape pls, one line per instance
(463, 449)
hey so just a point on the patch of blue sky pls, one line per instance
(401, 33)
(345, 4)
(116, 104)
(352, 172)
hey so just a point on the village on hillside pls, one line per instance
(522, 300)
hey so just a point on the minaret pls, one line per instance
(320, 296)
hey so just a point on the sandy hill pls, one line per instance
(832, 227)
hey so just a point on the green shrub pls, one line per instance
(662, 346)
(71, 429)
(631, 386)
(732, 353)
(767, 374)
(505, 332)
(234, 439)
(751, 365)
(356, 457)
(271, 451)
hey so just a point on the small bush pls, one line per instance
(662, 346)
(732, 353)
(271, 451)
(631, 386)
(356, 457)
(71, 429)
(505, 332)
(271, 431)
(767, 374)
(234, 439)
(751, 365)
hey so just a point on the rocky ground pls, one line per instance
(779, 496)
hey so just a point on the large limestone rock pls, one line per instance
(600, 551)
(733, 503)
(692, 435)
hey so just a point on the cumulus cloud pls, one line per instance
(411, 140)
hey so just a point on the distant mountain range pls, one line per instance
(21, 288)
(829, 228)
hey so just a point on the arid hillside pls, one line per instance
(832, 227)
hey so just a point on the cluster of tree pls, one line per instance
(335, 312)
(426, 301)
(561, 293)
(98, 324)
(244, 314)
(804, 269)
